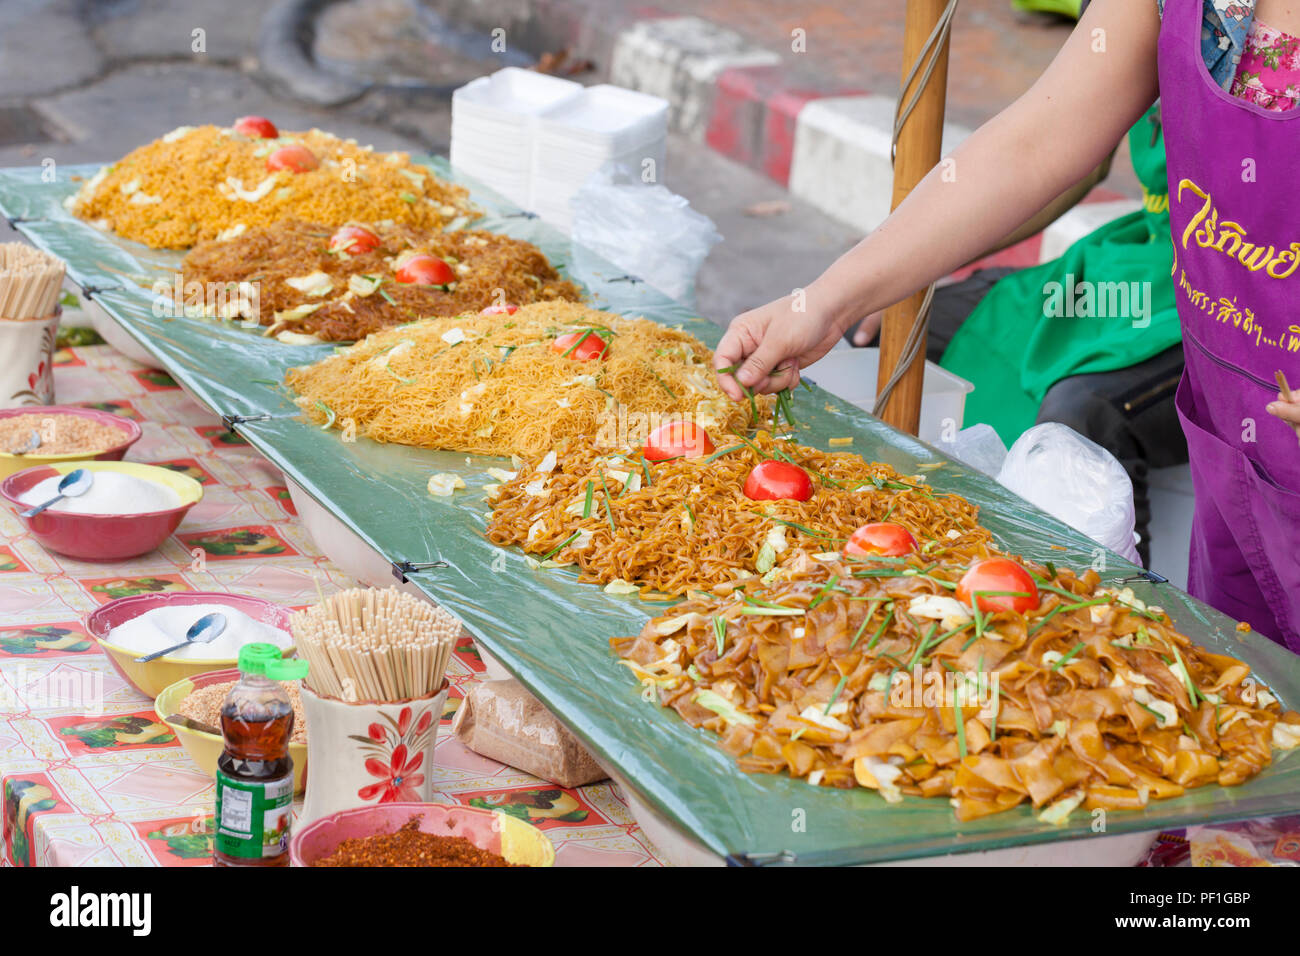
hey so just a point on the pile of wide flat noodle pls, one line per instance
(686, 524)
(306, 289)
(866, 673)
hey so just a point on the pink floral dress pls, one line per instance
(1269, 73)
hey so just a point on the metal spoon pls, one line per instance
(74, 483)
(33, 443)
(203, 631)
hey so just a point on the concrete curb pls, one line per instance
(828, 146)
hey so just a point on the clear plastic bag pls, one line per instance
(646, 230)
(1076, 480)
(501, 720)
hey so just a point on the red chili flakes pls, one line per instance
(409, 847)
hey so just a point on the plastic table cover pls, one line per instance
(552, 632)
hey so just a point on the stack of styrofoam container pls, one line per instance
(493, 123)
(576, 137)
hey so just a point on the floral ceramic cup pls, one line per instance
(365, 754)
(27, 372)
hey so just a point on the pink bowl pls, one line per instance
(155, 676)
(92, 537)
(516, 840)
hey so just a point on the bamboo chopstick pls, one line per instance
(375, 646)
(30, 282)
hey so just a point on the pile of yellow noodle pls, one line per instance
(686, 524)
(489, 269)
(185, 187)
(1089, 700)
(496, 386)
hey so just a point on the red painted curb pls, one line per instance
(754, 116)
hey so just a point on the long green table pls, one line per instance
(551, 632)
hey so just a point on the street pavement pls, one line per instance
(101, 85)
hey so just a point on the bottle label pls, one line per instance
(252, 820)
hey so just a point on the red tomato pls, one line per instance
(886, 538)
(774, 480)
(256, 127)
(999, 574)
(677, 440)
(424, 269)
(500, 310)
(589, 346)
(353, 240)
(294, 158)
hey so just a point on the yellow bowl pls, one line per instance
(204, 749)
(12, 464)
(156, 675)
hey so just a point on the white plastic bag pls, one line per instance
(645, 230)
(1077, 481)
(980, 447)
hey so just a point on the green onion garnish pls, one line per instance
(866, 619)
(560, 547)
(844, 679)
(329, 415)
(1187, 678)
(961, 729)
(883, 624)
(718, 454)
(582, 338)
(820, 596)
(1069, 654)
(997, 707)
(921, 645)
(609, 504)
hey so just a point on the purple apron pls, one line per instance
(1234, 194)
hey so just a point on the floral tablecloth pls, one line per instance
(90, 776)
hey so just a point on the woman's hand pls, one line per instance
(1289, 412)
(768, 346)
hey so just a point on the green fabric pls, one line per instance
(1043, 324)
(1065, 8)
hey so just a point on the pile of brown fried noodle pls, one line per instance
(359, 294)
(686, 524)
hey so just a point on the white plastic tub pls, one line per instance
(512, 95)
(1124, 849)
(851, 374)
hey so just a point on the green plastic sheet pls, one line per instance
(552, 632)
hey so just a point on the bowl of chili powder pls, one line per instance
(420, 834)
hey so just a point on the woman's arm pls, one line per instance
(1103, 79)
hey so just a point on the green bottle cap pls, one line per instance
(253, 658)
(287, 669)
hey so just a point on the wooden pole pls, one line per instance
(919, 151)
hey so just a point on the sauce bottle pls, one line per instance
(255, 772)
